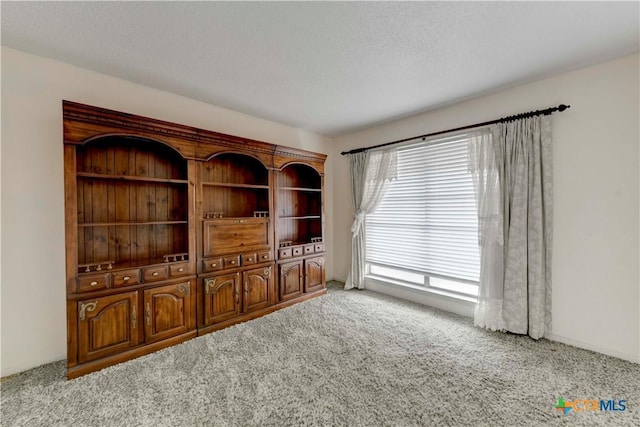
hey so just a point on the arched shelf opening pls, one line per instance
(299, 205)
(235, 168)
(299, 175)
(132, 203)
(130, 157)
(234, 185)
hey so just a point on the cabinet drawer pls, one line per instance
(297, 250)
(177, 270)
(212, 264)
(249, 259)
(285, 253)
(93, 282)
(263, 256)
(231, 261)
(308, 249)
(126, 277)
(153, 274)
(319, 247)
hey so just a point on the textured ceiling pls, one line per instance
(326, 67)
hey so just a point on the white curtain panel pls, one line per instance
(370, 175)
(524, 148)
(519, 256)
(485, 174)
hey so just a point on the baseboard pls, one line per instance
(596, 348)
(422, 296)
(12, 370)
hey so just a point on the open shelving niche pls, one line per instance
(235, 206)
(143, 184)
(234, 186)
(299, 205)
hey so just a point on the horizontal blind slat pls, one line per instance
(427, 220)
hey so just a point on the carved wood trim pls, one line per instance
(114, 122)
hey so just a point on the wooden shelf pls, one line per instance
(130, 178)
(315, 190)
(239, 218)
(301, 217)
(109, 224)
(232, 185)
(125, 265)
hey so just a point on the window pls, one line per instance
(425, 230)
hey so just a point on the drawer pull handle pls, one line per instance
(94, 283)
(180, 270)
(155, 273)
(214, 264)
(250, 259)
(126, 278)
(265, 256)
(232, 262)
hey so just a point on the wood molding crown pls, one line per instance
(85, 122)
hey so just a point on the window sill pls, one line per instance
(460, 304)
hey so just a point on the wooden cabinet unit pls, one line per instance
(314, 276)
(168, 311)
(107, 325)
(173, 231)
(300, 231)
(257, 288)
(221, 298)
(291, 276)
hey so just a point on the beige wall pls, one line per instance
(33, 324)
(596, 297)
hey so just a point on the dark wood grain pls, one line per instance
(138, 189)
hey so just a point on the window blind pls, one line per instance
(427, 221)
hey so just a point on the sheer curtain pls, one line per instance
(371, 171)
(522, 154)
(486, 182)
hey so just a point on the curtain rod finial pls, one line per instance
(563, 107)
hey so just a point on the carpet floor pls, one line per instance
(353, 358)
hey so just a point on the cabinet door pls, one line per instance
(257, 287)
(290, 280)
(107, 325)
(168, 311)
(221, 298)
(314, 276)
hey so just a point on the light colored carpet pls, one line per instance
(353, 358)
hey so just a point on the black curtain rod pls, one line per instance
(545, 112)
